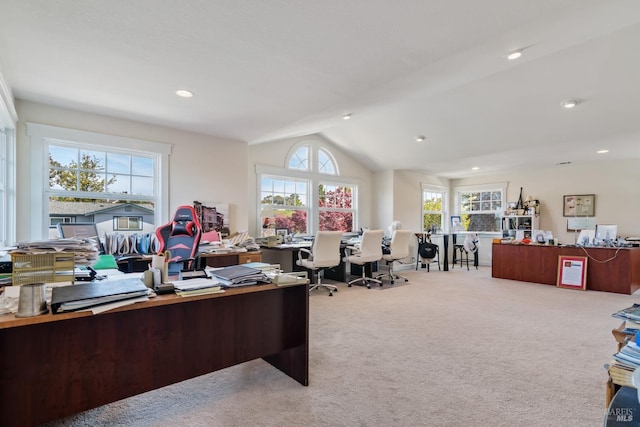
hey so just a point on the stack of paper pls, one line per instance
(239, 275)
(190, 287)
(85, 250)
(631, 316)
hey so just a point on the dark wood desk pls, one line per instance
(287, 256)
(58, 365)
(539, 264)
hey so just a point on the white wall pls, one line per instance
(382, 200)
(616, 185)
(200, 167)
(275, 154)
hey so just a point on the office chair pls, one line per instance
(324, 253)
(399, 249)
(180, 237)
(368, 252)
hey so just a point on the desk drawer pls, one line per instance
(246, 257)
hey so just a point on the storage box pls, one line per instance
(42, 268)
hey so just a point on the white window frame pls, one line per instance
(8, 120)
(354, 197)
(498, 186)
(445, 203)
(306, 208)
(40, 135)
(315, 179)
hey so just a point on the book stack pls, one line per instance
(627, 359)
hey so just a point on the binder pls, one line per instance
(85, 295)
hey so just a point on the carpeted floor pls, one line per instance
(453, 348)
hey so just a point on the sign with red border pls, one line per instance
(572, 272)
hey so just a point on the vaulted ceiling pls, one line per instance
(263, 70)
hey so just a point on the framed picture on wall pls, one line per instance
(456, 223)
(579, 205)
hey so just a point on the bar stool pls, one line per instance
(461, 254)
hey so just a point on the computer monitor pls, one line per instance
(80, 230)
(606, 233)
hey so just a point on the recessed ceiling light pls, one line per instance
(475, 168)
(346, 116)
(514, 55)
(184, 93)
(420, 138)
(602, 151)
(569, 103)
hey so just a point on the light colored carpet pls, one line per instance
(453, 348)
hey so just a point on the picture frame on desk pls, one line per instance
(282, 232)
(579, 205)
(572, 272)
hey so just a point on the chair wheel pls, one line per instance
(349, 284)
(406, 280)
(368, 286)
(335, 290)
(330, 294)
(392, 282)
(381, 284)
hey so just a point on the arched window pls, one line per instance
(300, 159)
(308, 195)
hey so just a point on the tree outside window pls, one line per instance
(432, 213)
(335, 207)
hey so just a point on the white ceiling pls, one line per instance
(270, 69)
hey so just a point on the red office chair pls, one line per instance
(181, 237)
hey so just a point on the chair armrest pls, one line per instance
(304, 250)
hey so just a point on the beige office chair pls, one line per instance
(399, 249)
(324, 253)
(368, 252)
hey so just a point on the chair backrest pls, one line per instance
(181, 235)
(400, 244)
(371, 245)
(326, 248)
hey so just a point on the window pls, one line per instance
(91, 174)
(3, 185)
(326, 164)
(55, 220)
(285, 204)
(480, 208)
(127, 223)
(286, 194)
(8, 120)
(300, 159)
(433, 203)
(335, 207)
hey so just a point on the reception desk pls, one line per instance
(608, 269)
(55, 365)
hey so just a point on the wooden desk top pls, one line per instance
(11, 321)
